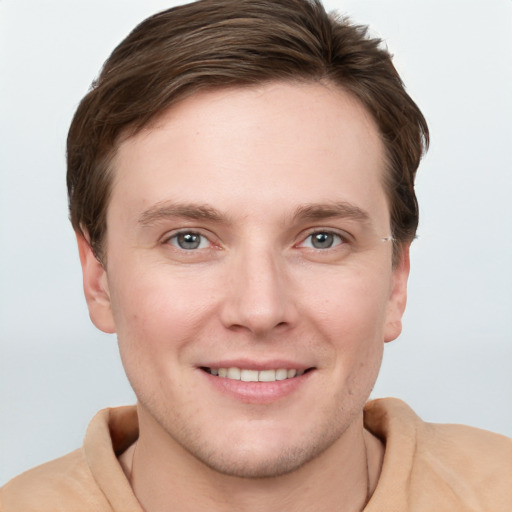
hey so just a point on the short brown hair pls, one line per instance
(213, 44)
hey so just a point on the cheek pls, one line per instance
(352, 316)
(351, 307)
(153, 331)
(154, 312)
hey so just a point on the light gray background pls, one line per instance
(453, 362)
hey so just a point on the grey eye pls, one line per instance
(188, 240)
(322, 240)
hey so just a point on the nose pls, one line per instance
(259, 296)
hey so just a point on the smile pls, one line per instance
(246, 375)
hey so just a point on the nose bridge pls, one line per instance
(258, 291)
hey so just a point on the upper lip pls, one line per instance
(251, 364)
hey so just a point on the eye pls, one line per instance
(188, 240)
(322, 240)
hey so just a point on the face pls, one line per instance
(249, 274)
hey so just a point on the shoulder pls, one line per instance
(90, 478)
(476, 461)
(461, 443)
(63, 484)
(391, 418)
(454, 467)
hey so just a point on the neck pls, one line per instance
(165, 477)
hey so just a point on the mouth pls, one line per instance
(251, 375)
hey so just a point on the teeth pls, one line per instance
(267, 376)
(281, 374)
(249, 375)
(233, 373)
(244, 375)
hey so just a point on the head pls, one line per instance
(236, 175)
(210, 45)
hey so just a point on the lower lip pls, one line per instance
(257, 392)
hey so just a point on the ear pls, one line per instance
(95, 287)
(398, 296)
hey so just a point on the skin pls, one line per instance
(256, 290)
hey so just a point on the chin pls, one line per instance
(247, 464)
(260, 452)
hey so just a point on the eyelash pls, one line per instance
(175, 237)
(341, 239)
(337, 240)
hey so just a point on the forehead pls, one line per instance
(248, 149)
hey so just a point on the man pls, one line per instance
(241, 182)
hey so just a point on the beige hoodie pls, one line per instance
(427, 467)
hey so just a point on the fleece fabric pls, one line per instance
(427, 467)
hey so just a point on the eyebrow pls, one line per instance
(192, 211)
(331, 210)
(166, 210)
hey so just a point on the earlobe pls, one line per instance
(95, 287)
(398, 296)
